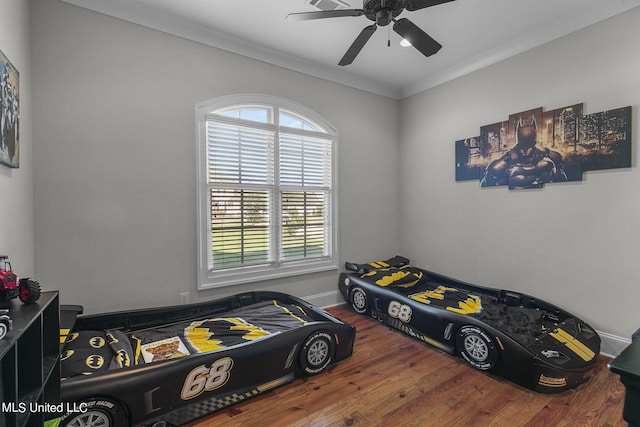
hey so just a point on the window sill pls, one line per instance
(222, 279)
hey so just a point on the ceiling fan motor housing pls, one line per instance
(382, 11)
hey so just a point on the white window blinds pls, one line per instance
(239, 155)
(305, 179)
(269, 191)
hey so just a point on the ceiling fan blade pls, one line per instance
(412, 5)
(358, 44)
(418, 38)
(322, 14)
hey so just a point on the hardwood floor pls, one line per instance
(394, 380)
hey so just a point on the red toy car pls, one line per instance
(11, 286)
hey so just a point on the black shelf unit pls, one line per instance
(30, 363)
(627, 365)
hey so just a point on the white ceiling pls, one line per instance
(474, 34)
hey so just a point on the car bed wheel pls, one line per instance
(317, 352)
(359, 300)
(3, 330)
(96, 413)
(477, 347)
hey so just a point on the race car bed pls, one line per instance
(521, 338)
(174, 364)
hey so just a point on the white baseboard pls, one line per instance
(325, 299)
(612, 345)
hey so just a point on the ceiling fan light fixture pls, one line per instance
(382, 13)
(405, 43)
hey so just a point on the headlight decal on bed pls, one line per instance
(558, 357)
(203, 378)
(573, 344)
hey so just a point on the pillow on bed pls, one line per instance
(85, 353)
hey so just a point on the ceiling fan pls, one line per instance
(382, 12)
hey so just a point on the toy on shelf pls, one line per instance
(11, 286)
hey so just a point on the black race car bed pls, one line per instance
(173, 364)
(521, 338)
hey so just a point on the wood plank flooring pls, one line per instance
(394, 380)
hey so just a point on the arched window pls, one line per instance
(267, 199)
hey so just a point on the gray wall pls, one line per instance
(114, 156)
(114, 168)
(16, 185)
(576, 244)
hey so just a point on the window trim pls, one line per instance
(234, 276)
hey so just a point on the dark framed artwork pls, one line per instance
(605, 139)
(9, 113)
(537, 147)
(468, 161)
(559, 132)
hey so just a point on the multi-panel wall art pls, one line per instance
(9, 113)
(535, 147)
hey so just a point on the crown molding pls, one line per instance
(122, 9)
(592, 12)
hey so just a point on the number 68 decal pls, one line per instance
(399, 311)
(203, 378)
